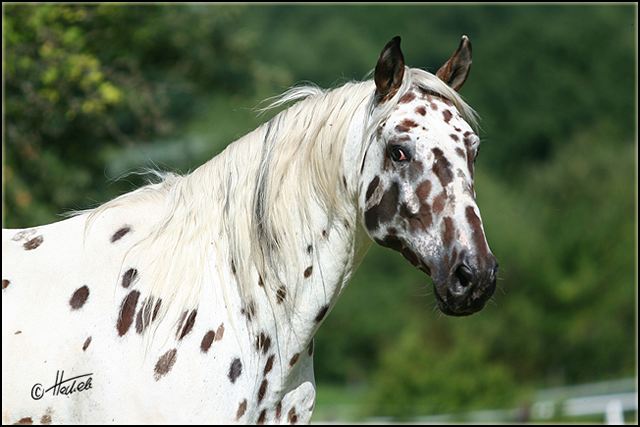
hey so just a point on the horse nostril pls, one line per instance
(464, 276)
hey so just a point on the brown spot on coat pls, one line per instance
(120, 233)
(165, 363)
(86, 344)
(24, 422)
(421, 110)
(128, 277)
(46, 418)
(127, 310)
(263, 342)
(219, 332)
(5, 283)
(235, 369)
(241, 409)
(33, 243)
(269, 365)
(207, 340)
(278, 410)
(262, 390)
(321, 313)
(307, 272)
(262, 417)
(281, 294)
(294, 359)
(144, 317)
(79, 297)
(293, 418)
(188, 326)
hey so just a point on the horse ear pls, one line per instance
(389, 70)
(455, 71)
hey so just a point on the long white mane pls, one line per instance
(249, 209)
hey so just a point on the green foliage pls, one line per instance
(83, 80)
(417, 376)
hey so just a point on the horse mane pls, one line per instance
(251, 209)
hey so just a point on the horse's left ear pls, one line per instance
(389, 70)
(455, 71)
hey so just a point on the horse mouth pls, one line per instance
(455, 307)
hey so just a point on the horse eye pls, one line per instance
(397, 154)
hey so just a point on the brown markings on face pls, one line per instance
(127, 310)
(120, 233)
(442, 167)
(477, 235)
(448, 234)
(384, 211)
(407, 124)
(207, 340)
(439, 202)
(165, 363)
(408, 97)
(460, 152)
(391, 242)
(447, 114)
(79, 297)
(416, 168)
(371, 188)
(468, 143)
(311, 348)
(128, 277)
(421, 110)
(33, 243)
(455, 137)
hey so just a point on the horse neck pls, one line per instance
(287, 281)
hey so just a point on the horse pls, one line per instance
(196, 297)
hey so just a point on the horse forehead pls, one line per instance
(420, 111)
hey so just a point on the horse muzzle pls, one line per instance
(467, 286)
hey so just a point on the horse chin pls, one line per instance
(456, 309)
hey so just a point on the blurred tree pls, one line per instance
(80, 79)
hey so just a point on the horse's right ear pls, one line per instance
(389, 70)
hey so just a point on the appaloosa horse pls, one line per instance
(196, 299)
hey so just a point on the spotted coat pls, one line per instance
(84, 340)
